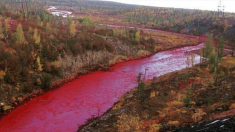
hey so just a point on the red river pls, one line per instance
(69, 106)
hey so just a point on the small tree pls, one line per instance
(7, 26)
(46, 81)
(212, 60)
(39, 64)
(192, 58)
(36, 36)
(72, 28)
(1, 31)
(187, 100)
(220, 48)
(19, 35)
(48, 27)
(141, 84)
(87, 22)
(187, 61)
(208, 46)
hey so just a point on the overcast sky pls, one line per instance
(188, 4)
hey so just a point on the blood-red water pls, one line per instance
(63, 109)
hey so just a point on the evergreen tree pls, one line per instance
(208, 46)
(19, 35)
(36, 36)
(212, 60)
(48, 27)
(7, 26)
(72, 28)
(39, 64)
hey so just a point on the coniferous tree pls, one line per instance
(36, 36)
(220, 48)
(208, 46)
(39, 68)
(19, 35)
(48, 27)
(72, 28)
(6, 26)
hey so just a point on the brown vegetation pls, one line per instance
(174, 100)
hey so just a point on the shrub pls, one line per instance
(141, 84)
(27, 87)
(56, 71)
(46, 81)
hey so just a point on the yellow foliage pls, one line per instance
(117, 106)
(155, 127)
(40, 23)
(17, 88)
(173, 123)
(232, 106)
(183, 112)
(56, 64)
(36, 36)
(72, 28)
(143, 53)
(6, 107)
(48, 27)
(152, 94)
(20, 99)
(161, 114)
(156, 48)
(137, 35)
(2, 74)
(176, 103)
(181, 97)
(198, 116)
(39, 64)
(7, 25)
(13, 99)
(19, 35)
(228, 63)
(39, 82)
(128, 123)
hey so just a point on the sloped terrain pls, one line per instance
(179, 99)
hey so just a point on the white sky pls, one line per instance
(187, 4)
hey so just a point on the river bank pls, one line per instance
(172, 101)
(86, 96)
(117, 59)
(92, 61)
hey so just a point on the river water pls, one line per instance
(65, 108)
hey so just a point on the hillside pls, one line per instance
(172, 102)
(187, 21)
(39, 51)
